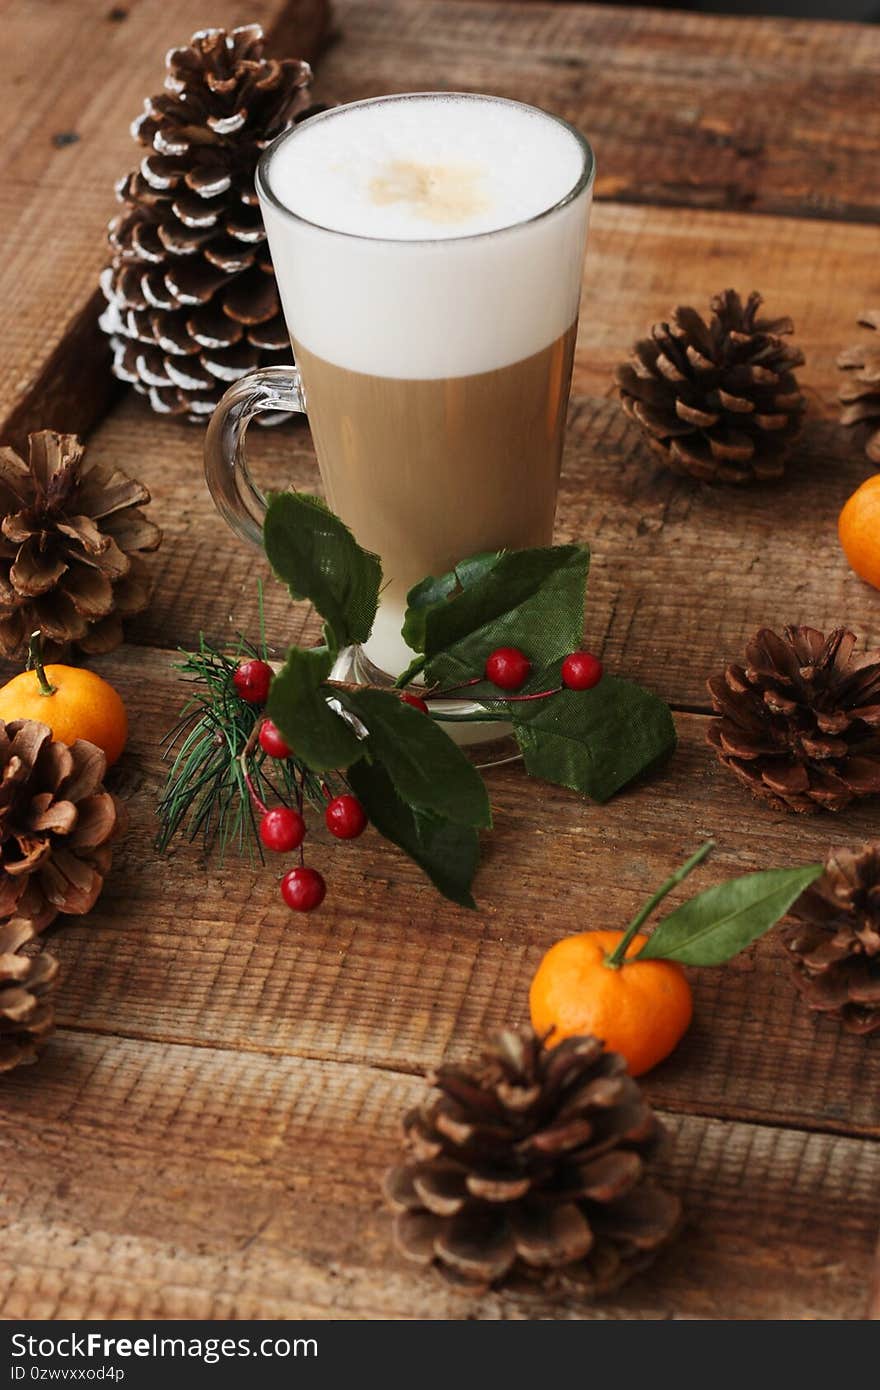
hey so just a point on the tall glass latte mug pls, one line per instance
(428, 250)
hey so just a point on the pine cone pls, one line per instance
(56, 824)
(861, 393)
(71, 537)
(717, 401)
(836, 944)
(799, 724)
(26, 986)
(192, 300)
(531, 1161)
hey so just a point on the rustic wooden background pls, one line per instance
(205, 1134)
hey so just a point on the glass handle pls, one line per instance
(236, 495)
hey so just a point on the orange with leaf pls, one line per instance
(629, 988)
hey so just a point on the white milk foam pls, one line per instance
(424, 168)
(411, 252)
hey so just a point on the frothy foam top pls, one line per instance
(426, 167)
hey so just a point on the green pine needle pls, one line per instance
(205, 794)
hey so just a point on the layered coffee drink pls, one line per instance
(428, 251)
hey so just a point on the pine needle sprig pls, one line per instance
(206, 793)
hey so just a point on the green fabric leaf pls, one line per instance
(428, 770)
(298, 705)
(594, 741)
(533, 599)
(433, 592)
(448, 853)
(715, 925)
(318, 558)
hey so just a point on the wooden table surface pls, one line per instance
(205, 1134)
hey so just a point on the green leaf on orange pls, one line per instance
(719, 923)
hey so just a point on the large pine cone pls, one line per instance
(861, 393)
(719, 400)
(192, 300)
(532, 1161)
(56, 824)
(836, 943)
(26, 986)
(799, 724)
(71, 539)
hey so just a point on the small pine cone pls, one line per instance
(799, 724)
(835, 946)
(26, 986)
(532, 1161)
(192, 302)
(72, 537)
(57, 822)
(861, 393)
(718, 401)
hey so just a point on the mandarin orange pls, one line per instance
(642, 1009)
(859, 531)
(81, 705)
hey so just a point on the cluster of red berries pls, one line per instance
(282, 829)
(509, 668)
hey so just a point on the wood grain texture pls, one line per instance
(180, 950)
(206, 1133)
(106, 1218)
(768, 115)
(64, 144)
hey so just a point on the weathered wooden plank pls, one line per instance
(66, 144)
(182, 950)
(152, 1181)
(770, 115)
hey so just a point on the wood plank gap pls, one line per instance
(401, 1069)
(670, 1106)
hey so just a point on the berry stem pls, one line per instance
(253, 739)
(451, 689)
(258, 801)
(35, 663)
(538, 695)
(617, 957)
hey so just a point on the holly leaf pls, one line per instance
(427, 769)
(434, 591)
(717, 924)
(298, 705)
(318, 558)
(533, 599)
(594, 741)
(447, 852)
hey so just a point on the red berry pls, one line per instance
(581, 671)
(345, 817)
(272, 742)
(252, 680)
(303, 889)
(416, 701)
(508, 668)
(282, 829)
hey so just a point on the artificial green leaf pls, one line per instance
(429, 771)
(318, 558)
(448, 852)
(533, 599)
(433, 592)
(298, 705)
(715, 925)
(594, 741)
